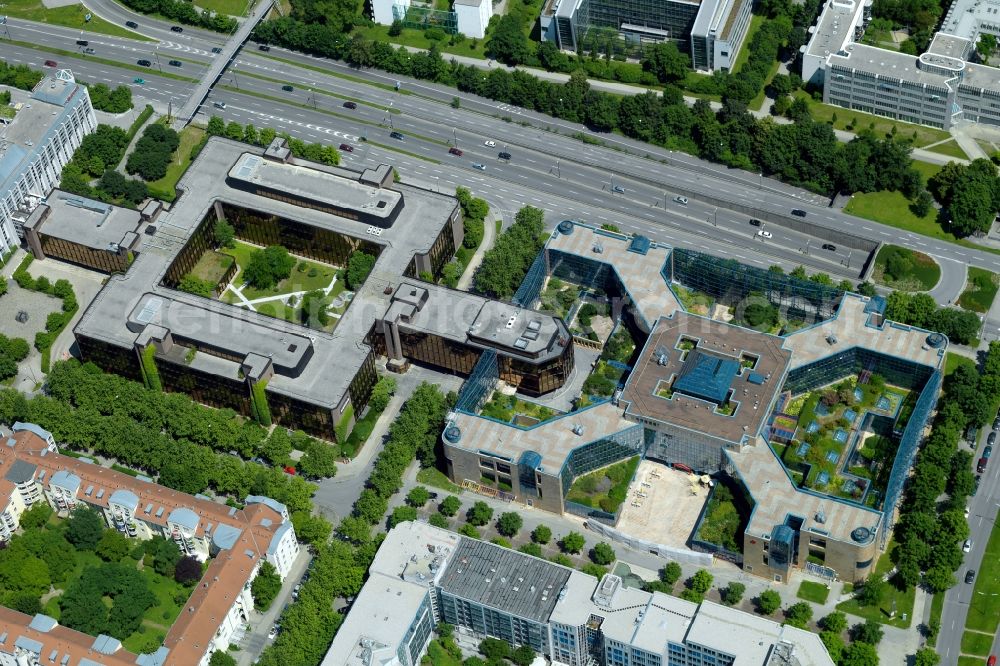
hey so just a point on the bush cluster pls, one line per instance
(56, 321)
(184, 12)
(153, 152)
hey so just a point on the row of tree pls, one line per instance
(507, 262)
(186, 13)
(314, 152)
(921, 310)
(930, 532)
(98, 156)
(104, 98)
(153, 152)
(969, 196)
(12, 352)
(474, 212)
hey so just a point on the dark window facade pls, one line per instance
(443, 249)
(197, 245)
(436, 351)
(299, 415)
(105, 261)
(361, 386)
(206, 388)
(537, 379)
(110, 358)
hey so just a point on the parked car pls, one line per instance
(477, 165)
(347, 148)
(287, 88)
(981, 467)
(967, 546)
(396, 135)
(681, 200)
(350, 105)
(830, 246)
(264, 47)
(273, 633)
(455, 151)
(798, 212)
(992, 661)
(216, 49)
(754, 222)
(144, 63)
(175, 63)
(996, 423)
(51, 63)
(490, 144)
(992, 438)
(176, 28)
(988, 451)
(970, 576)
(764, 233)
(131, 24)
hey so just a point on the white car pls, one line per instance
(765, 234)
(477, 165)
(271, 635)
(967, 546)
(490, 144)
(681, 200)
(967, 511)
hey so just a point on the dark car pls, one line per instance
(798, 212)
(216, 49)
(996, 423)
(981, 465)
(432, 496)
(50, 63)
(830, 246)
(144, 63)
(992, 439)
(347, 148)
(455, 151)
(504, 156)
(176, 28)
(131, 24)
(396, 135)
(987, 452)
(350, 105)
(754, 222)
(175, 63)
(82, 42)
(970, 576)
(264, 47)
(287, 88)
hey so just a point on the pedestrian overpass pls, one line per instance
(220, 63)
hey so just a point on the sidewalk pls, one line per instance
(255, 639)
(489, 237)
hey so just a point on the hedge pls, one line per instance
(149, 370)
(140, 121)
(258, 402)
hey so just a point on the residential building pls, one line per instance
(424, 575)
(36, 145)
(237, 541)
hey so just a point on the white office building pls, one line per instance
(36, 144)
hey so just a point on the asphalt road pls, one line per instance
(982, 517)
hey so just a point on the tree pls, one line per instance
(220, 658)
(508, 43)
(359, 265)
(572, 543)
(859, 654)
(666, 62)
(313, 310)
(602, 554)
(733, 593)
(187, 571)
(265, 587)
(267, 267)
(531, 548)
(165, 557)
(36, 516)
(494, 649)
(113, 546)
(866, 289)
(224, 234)
(479, 514)
(250, 135)
(700, 582)
(216, 126)
(418, 496)
(835, 622)
(319, 462)
(84, 528)
(926, 656)
(671, 573)
(523, 656)
(449, 506)
(541, 534)
(509, 523)
(799, 614)
(871, 592)
(869, 632)
(768, 602)
(234, 131)
(402, 514)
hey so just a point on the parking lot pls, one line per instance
(663, 504)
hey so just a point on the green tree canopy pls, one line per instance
(265, 587)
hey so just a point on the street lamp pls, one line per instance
(156, 57)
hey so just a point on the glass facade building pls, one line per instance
(601, 453)
(491, 622)
(105, 261)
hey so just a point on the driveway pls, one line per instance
(255, 639)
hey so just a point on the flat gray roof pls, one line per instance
(951, 46)
(504, 579)
(886, 63)
(87, 222)
(337, 355)
(835, 27)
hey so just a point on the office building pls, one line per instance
(36, 144)
(424, 575)
(237, 541)
(468, 17)
(712, 31)
(708, 395)
(315, 380)
(941, 87)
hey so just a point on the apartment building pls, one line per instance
(36, 145)
(424, 575)
(236, 540)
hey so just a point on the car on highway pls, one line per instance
(216, 49)
(992, 661)
(176, 28)
(830, 246)
(144, 63)
(967, 546)
(618, 189)
(681, 200)
(131, 24)
(455, 151)
(477, 165)
(504, 155)
(175, 63)
(219, 105)
(763, 233)
(82, 42)
(988, 451)
(89, 50)
(970, 576)
(51, 63)
(396, 135)
(490, 144)
(754, 222)
(347, 148)
(264, 47)
(350, 105)
(798, 212)
(287, 88)
(981, 465)
(139, 80)
(992, 439)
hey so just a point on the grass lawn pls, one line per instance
(299, 280)
(825, 113)
(71, 16)
(951, 149)
(473, 48)
(278, 310)
(921, 272)
(722, 521)
(926, 169)
(984, 610)
(166, 188)
(937, 607)
(814, 592)
(953, 360)
(230, 7)
(880, 613)
(605, 488)
(980, 289)
(970, 661)
(974, 642)
(431, 476)
(212, 266)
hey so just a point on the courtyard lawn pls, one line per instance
(890, 593)
(431, 476)
(984, 610)
(509, 408)
(953, 360)
(70, 16)
(605, 488)
(722, 521)
(306, 275)
(974, 642)
(980, 290)
(814, 592)
(693, 301)
(921, 273)
(212, 266)
(166, 188)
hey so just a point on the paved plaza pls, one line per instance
(663, 505)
